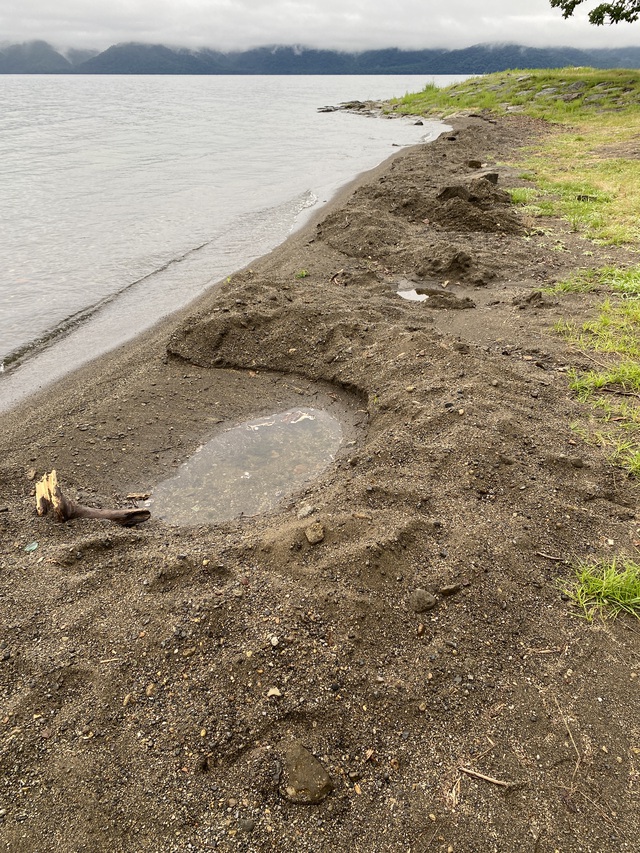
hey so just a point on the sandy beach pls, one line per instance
(384, 661)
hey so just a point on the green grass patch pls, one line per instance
(625, 376)
(606, 588)
(558, 95)
(613, 389)
(588, 173)
(523, 195)
(624, 281)
(599, 196)
(614, 330)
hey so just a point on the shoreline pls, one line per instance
(389, 631)
(22, 387)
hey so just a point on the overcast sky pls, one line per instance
(339, 24)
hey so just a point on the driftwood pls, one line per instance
(49, 497)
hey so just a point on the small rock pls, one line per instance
(474, 164)
(450, 589)
(314, 533)
(246, 825)
(421, 600)
(273, 693)
(304, 511)
(306, 780)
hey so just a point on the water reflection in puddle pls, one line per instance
(412, 295)
(250, 468)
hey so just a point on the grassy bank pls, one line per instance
(589, 171)
(586, 170)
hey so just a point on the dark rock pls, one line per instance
(535, 299)
(444, 298)
(306, 781)
(420, 600)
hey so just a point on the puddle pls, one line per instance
(413, 295)
(250, 468)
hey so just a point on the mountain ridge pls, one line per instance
(39, 57)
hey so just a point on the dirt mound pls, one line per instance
(477, 205)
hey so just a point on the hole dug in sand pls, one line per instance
(249, 468)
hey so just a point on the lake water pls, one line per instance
(124, 198)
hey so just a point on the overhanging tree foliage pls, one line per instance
(604, 13)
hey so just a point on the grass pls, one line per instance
(625, 375)
(614, 389)
(557, 95)
(623, 281)
(614, 330)
(606, 588)
(587, 173)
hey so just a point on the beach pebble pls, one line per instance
(314, 533)
(450, 589)
(306, 780)
(304, 511)
(421, 600)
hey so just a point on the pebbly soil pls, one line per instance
(416, 672)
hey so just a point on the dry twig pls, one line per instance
(49, 497)
(491, 779)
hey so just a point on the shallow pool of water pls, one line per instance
(249, 468)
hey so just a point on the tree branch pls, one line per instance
(49, 497)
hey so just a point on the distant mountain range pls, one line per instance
(38, 57)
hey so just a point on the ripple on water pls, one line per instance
(249, 468)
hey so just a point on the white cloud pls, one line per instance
(341, 24)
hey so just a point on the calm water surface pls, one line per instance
(124, 198)
(249, 468)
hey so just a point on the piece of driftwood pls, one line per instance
(49, 497)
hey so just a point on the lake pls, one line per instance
(124, 198)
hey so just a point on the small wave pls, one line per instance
(243, 239)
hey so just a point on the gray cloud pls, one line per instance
(340, 24)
